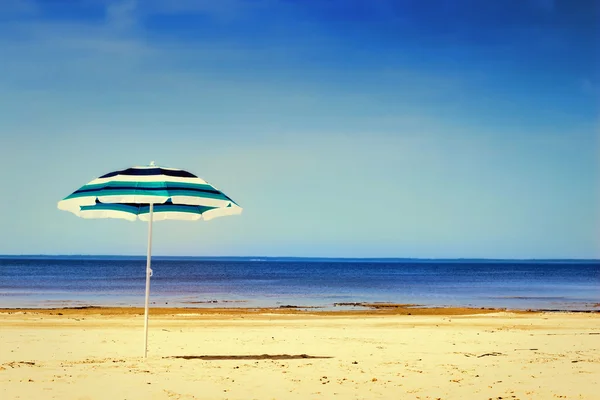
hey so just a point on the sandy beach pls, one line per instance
(291, 354)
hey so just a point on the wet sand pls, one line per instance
(364, 309)
(288, 353)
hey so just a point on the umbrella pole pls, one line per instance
(148, 275)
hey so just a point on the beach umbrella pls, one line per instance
(149, 193)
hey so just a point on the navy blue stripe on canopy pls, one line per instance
(137, 209)
(150, 171)
(141, 187)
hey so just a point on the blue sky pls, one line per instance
(344, 128)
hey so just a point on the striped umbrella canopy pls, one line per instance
(128, 194)
(149, 193)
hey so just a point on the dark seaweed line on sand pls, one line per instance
(250, 357)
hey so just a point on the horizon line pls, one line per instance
(143, 256)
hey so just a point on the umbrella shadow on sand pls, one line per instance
(250, 357)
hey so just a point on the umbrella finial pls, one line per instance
(152, 164)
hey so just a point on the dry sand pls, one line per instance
(266, 354)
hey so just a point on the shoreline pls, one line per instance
(357, 310)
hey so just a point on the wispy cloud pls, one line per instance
(119, 32)
(544, 5)
(18, 7)
(121, 15)
(588, 87)
(222, 9)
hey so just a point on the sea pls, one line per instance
(328, 284)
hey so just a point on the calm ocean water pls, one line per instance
(196, 282)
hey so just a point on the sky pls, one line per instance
(345, 128)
